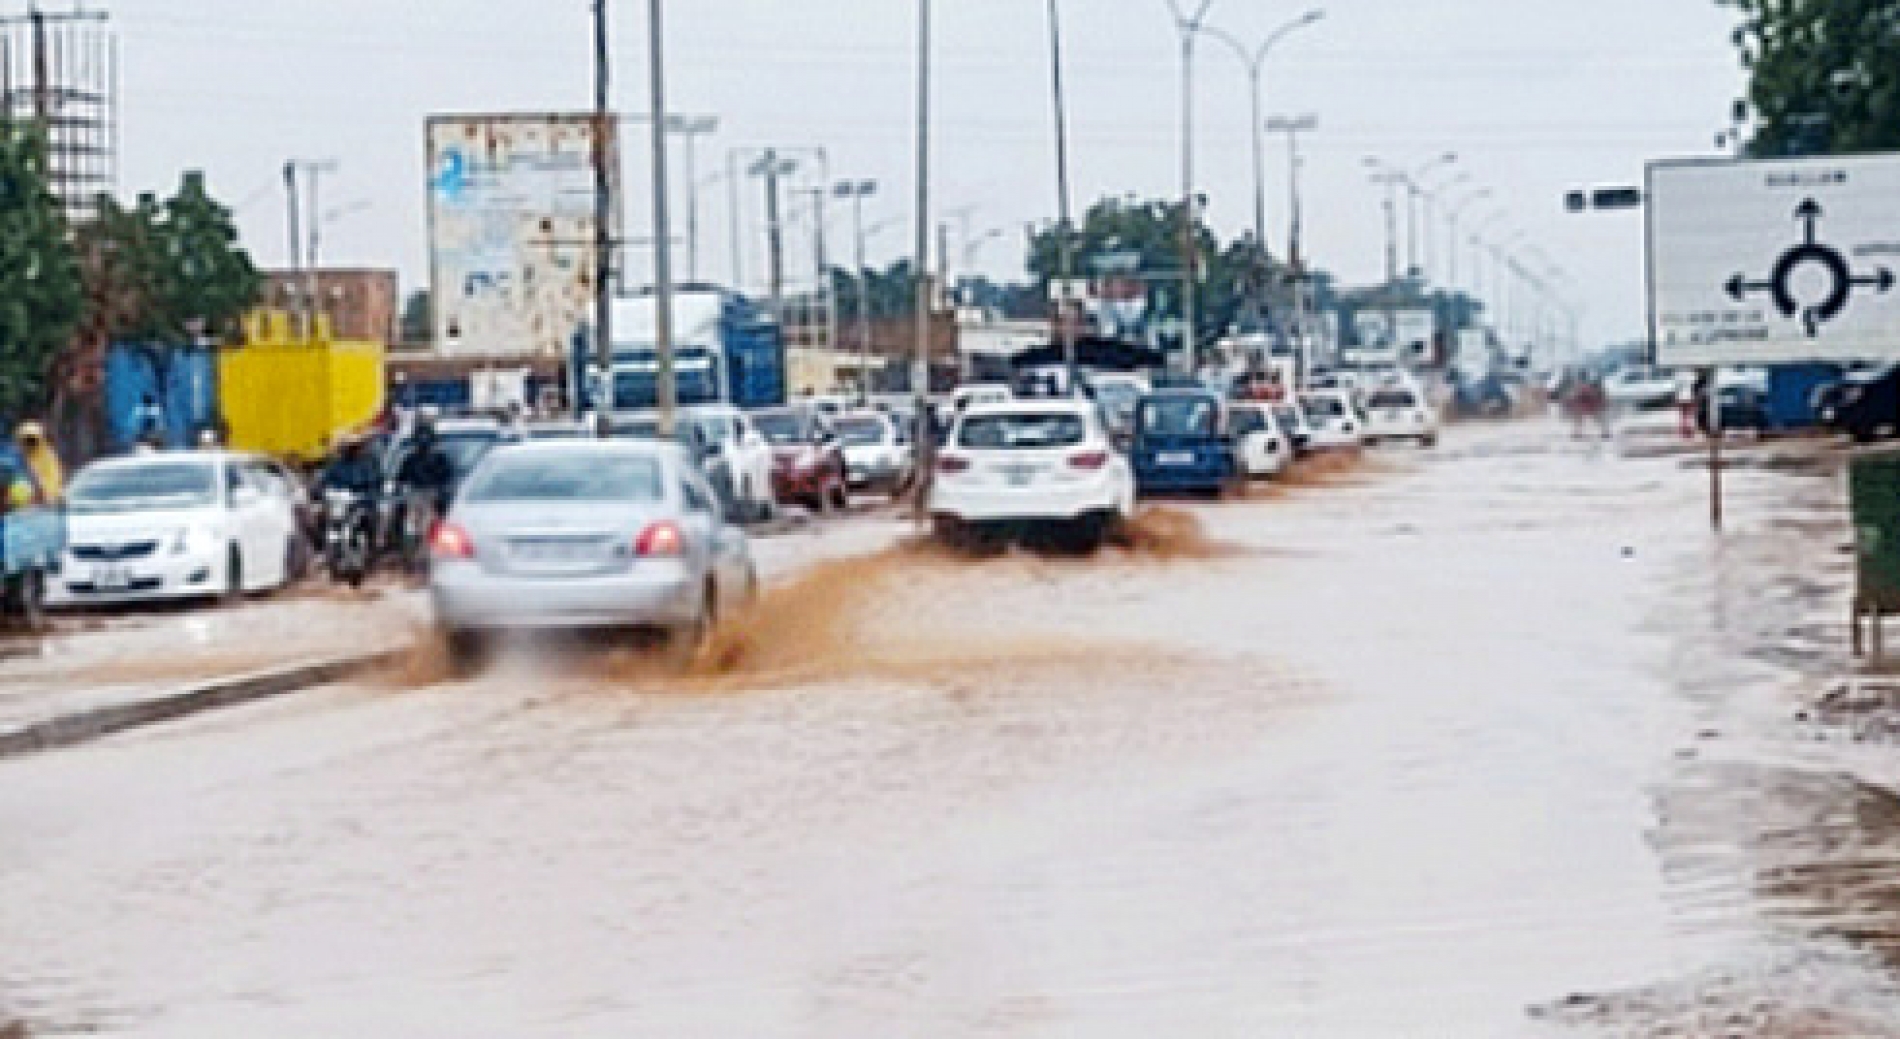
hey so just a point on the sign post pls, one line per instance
(1784, 261)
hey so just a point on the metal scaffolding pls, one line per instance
(60, 71)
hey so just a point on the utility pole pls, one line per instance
(1189, 26)
(771, 167)
(662, 221)
(920, 349)
(1065, 231)
(857, 192)
(604, 272)
(293, 247)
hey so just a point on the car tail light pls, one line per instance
(1089, 460)
(953, 464)
(448, 541)
(661, 540)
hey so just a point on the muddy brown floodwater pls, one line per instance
(1491, 741)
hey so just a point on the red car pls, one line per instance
(808, 466)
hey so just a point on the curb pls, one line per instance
(71, 730)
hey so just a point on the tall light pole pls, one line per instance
(1065, 231)
(1392, 180)
(1255, 61)
(920, 347)
(603, 230)
(1430, 196)
(1293, 128)
(1414, 192)
(662, 221)
(771, 166)
(692, 128)
(1452, 215)
(1189, 25)
(856, 192)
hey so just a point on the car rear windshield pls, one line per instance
(1179, 416)
(1391, 399)
(1325, 407)
(1248, 420)
(1022, 432)
(860, 432)
(587, 477)
(130, 488)
(780, 427)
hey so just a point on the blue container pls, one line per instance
(167, 391)
(1791, 393)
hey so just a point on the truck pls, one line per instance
(726, 350)
(32, 538)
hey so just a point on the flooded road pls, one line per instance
(1492, 741)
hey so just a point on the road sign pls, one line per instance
(1773, 262)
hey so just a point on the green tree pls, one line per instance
(1824, 75)
(1145, 237)
(206, 282)
(40, 295)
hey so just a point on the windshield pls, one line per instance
(1249, 420)
(1325, 407)
(132, 488)
(861, 432)
(1288, 416)
(1022, 432)
(1179, 416)
(1391, 399)
(583, 477)
(780, 427)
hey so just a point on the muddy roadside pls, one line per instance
(1787, 800)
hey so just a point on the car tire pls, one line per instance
(467, 652)
(841, 498)
(685, 642)
(1428, 442)
(25, 602)
(233, 577)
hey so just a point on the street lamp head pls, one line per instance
(1312, 16)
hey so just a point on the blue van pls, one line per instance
(1181, 443)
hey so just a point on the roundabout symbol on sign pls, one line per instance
(1841, 279)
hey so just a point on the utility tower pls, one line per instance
(59, 71)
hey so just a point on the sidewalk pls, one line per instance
(98, 662)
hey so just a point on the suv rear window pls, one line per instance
(1021, 432)
(1179, 416)
(1392, 399)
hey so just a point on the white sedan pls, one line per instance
(1400, 413)
(877, 452)
(1336, 420)
(747, 453)
(1031, 463)
(1263, 448)
(174, 525)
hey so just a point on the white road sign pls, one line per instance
(1777, 261)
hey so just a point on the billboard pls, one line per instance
(1775, 261)
(511, 231)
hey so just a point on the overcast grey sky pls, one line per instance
(1535, 96)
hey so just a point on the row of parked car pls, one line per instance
(1082, 461)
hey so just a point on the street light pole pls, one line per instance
(1189, 26)
(1065, 232)
(1414, 193)
(857, 192)
(1431, 218)
(1452, 215)
(920, 347)
(603, 229)
(662, 221)
(1255, 61)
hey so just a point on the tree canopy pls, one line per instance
(1824, 75)
(40, 295)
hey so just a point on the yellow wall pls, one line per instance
(285, 395)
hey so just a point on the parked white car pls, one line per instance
(172, 525)
(1639, 388)
(1046, 462)
(748, 456)
(1261, 446)
(1336, 420)
(1399, 412)
(877, 451)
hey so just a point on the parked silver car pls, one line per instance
(586, 534)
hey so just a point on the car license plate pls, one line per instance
(1020, 475)
(111, 578)
(555, 552)
(1175, 458)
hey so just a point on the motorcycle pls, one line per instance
(350, 522)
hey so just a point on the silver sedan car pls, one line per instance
(586, 534)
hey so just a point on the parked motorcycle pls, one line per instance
(350, 525)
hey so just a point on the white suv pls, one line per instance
(1045, 462)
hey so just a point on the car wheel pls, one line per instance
(26, 601)
(685, 642)
(467, 651)
(296, 560)
(841, 498)
(1428, 441)
(234, 576)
